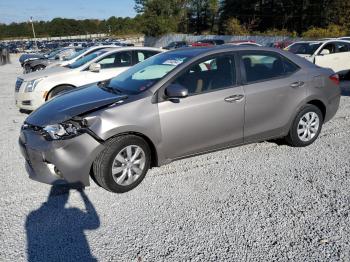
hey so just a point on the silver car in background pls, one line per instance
(176, 105)
(78, 55)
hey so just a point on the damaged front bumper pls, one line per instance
(62, 161)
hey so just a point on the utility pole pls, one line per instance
(36, 45)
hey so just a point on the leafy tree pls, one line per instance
(232, 26)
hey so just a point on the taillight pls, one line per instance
(335, 79)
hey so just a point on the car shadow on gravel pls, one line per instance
(56, 233)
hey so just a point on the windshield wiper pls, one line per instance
(105, 85)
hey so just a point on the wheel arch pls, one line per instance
(57, 86)
(319, 104)
(154, 154)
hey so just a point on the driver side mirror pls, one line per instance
(175, 91)
(95, 68)
(325, 52)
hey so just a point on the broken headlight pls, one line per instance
(68, 129)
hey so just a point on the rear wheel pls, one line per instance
(306, 127)
(123, 164)
(59, 90)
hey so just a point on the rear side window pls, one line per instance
(262, 67)
(289, 66)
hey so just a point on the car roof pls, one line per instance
(321, 41)
(130, 48)
(195, 51)
(199, 52)
(310, 42)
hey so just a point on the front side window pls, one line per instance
(304, 48)
(330, 47)
(120, 59)
(212, 74)
(262, 67)
(142, 55)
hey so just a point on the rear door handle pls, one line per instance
(234, 98)
(297, 84)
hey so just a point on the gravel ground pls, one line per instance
(257, 202)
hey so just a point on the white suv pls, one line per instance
(32, 90)
(334, 54)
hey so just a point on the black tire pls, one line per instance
(27, 69)
(38, 68)
(292, 138)
(59, 90)
(102, 166)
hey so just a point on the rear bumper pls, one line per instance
(59, 162)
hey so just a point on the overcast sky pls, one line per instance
(22, 10)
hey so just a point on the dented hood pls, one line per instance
(73, 103)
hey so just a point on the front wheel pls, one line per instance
(39, 68)
(123, 164)
(306, 127)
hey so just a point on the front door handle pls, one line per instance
(234, 98)
(297, 84)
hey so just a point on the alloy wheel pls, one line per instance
(128, 165)
(308, 126)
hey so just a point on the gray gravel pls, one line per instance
(257, 202)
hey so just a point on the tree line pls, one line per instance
(309, 18)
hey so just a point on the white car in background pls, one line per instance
(334, 54)
(78, 55)
(32, 90)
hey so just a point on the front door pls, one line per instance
(211, 117)
(338, 58)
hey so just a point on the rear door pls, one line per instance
(273, 87)
(211, 116)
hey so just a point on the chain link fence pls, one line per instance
(165, 40)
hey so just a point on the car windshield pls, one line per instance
(75, 54)
(304, 48)
(86, 59)
(144, 75)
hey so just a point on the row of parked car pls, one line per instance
(53, 76)
(206, 43)
(49, 45)
(113, 113)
